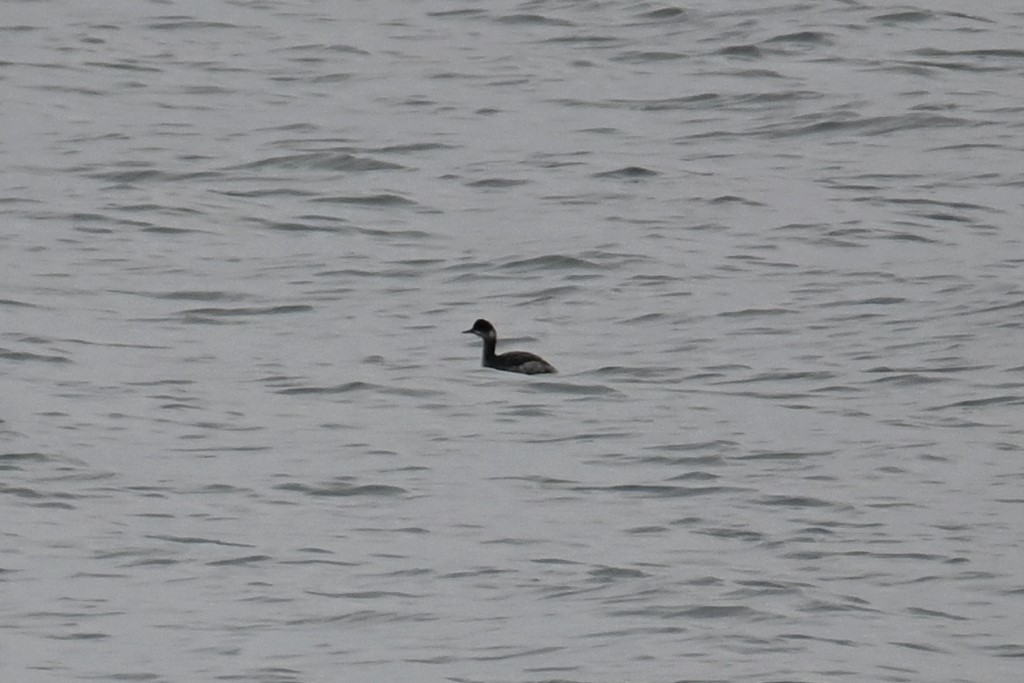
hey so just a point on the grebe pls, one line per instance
(512, 361)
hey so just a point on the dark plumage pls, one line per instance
(512, 361)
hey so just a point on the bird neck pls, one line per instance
(490, 343)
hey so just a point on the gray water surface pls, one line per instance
(775, 251)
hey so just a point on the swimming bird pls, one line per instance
(511, 361)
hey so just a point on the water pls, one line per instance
(774, 251)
